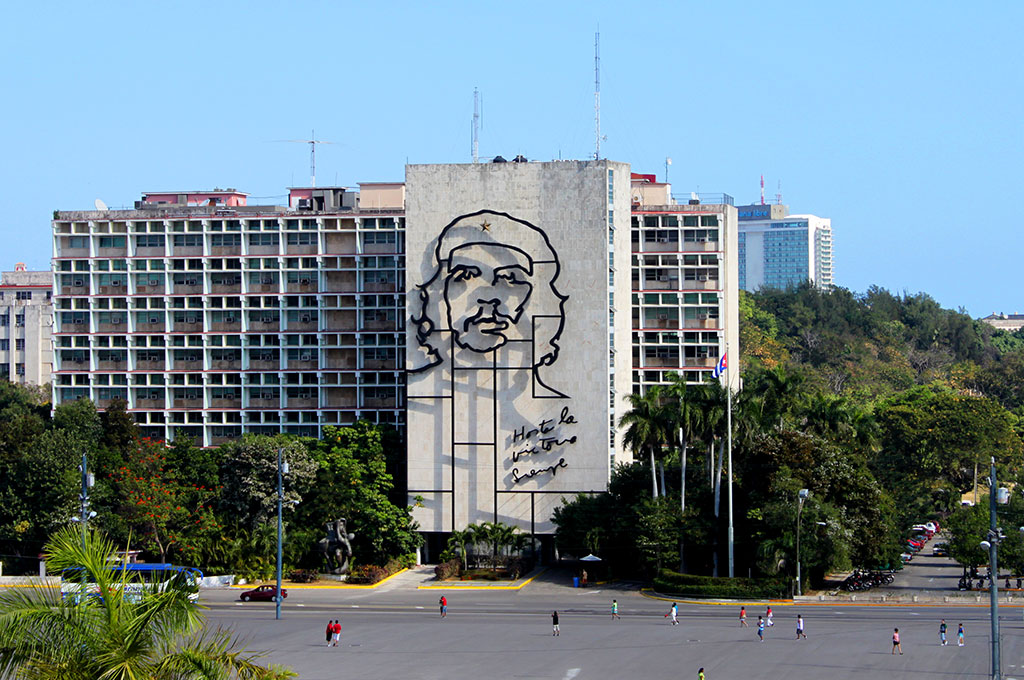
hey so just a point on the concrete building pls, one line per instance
(517, 368)
(213, 317)
(685, 314)
(26, 320)
(779, 250)
(1007, 322)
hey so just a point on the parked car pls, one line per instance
(941, 550)
(262, 594)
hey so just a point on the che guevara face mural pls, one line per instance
(493, 287)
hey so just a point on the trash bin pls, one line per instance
(575, 582)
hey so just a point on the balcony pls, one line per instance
(264, 323)
(147, 327)
(190, 324)
(191, 363)
(265, 365)
(301, 249)
(302, 286)
(149, 403)
(150, 290)
(264, 287)
(188, 288)
(225, 364)
(700, 362)
(234, 324)
(150, 365)
(112, 365)
(701, 323)
(301, 402)
(304, 364)
(667, 323)
(186, 402)
(265, 403)
(303, 323)
(226, 402)
(220, 288)
(112, 327)
(82, 289)
(698, 284)
(381, 364)
(381, 287)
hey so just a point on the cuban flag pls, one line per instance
(723, 364)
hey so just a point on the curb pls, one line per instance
(337, 586)
(469, 585)
(653, 595)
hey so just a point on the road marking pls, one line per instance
(300, 605)
(354, 606)
(419, 607)
(915, 614)
(571, 673)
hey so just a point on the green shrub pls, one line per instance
(449, 569)
(693, 585)
(304, 576)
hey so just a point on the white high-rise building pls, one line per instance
(26, 320)
(779, 250)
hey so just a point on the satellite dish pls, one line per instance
(100, 205)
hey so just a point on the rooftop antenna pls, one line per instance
(478, 106)
(312, 141)
(762, 189)
(778, 195)
(668, 164)
(597, 95)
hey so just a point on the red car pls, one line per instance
(263, 593)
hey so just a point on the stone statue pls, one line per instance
(336, 548)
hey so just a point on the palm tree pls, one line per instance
(114, 636)
(687, 420)
(458, 540)
(647, 424)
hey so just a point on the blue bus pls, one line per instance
(137, 578)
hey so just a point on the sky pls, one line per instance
(900, 121)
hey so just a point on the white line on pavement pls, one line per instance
(571, 673)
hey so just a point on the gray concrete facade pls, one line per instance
(517, 371)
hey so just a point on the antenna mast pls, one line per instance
(312, 141)
(762, 189)
(476, 126)
(597, 95)
(778, 196)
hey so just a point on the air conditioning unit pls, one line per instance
(663, 277)
(191, 319)
(305, 357)
(267, 280)
(306, 318)
(154, 319)
(78, 283)
(702, 277)
(266, 319)
(191, 282)
(305, 204)
(78, 321)
(305, 282)
(115, 319)
(702, 317)
(663, 317)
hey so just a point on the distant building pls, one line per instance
(1006, 322)
(26, 320)
(779, 250)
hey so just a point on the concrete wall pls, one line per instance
(509, 378)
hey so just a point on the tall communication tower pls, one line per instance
(477, 124)
(597, 95)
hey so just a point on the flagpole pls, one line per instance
(728, 388)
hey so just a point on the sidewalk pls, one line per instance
(430, 584)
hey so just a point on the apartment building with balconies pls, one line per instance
(211, 317)
(26, 319)
(684, 280)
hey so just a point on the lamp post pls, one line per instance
(282, 470)
(994, 537)
(801, 496)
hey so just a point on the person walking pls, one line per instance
(330, 631)
(960, 635)
(674, 613)
(800, 627)
(768, 616)
(760, 628)
(896, 641)
(743, 617)
(615, 610)
(554, 623)
(700, 674)
(444, 606)
(942, 632)
(335, 633)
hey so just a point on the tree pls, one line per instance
(352, 481)
(647, 426)
(248, 476)
(967, 528)
(46, 637)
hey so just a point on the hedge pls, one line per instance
(692, 585)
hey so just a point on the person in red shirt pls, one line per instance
(444, 606)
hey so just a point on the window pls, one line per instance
(19, 369)
(302, 239)
(112, 241)
(23, 295)
(19, 320)
(226, 240)
(78, 242)
(19, 343)
(264, 239)
(150, 241)
(188, 240)
(5, 344)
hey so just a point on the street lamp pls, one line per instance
(991, 544)
(282, 470)
(801, 496)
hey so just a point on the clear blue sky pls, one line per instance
(901, 124)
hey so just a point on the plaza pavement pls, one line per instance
(396, 632)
